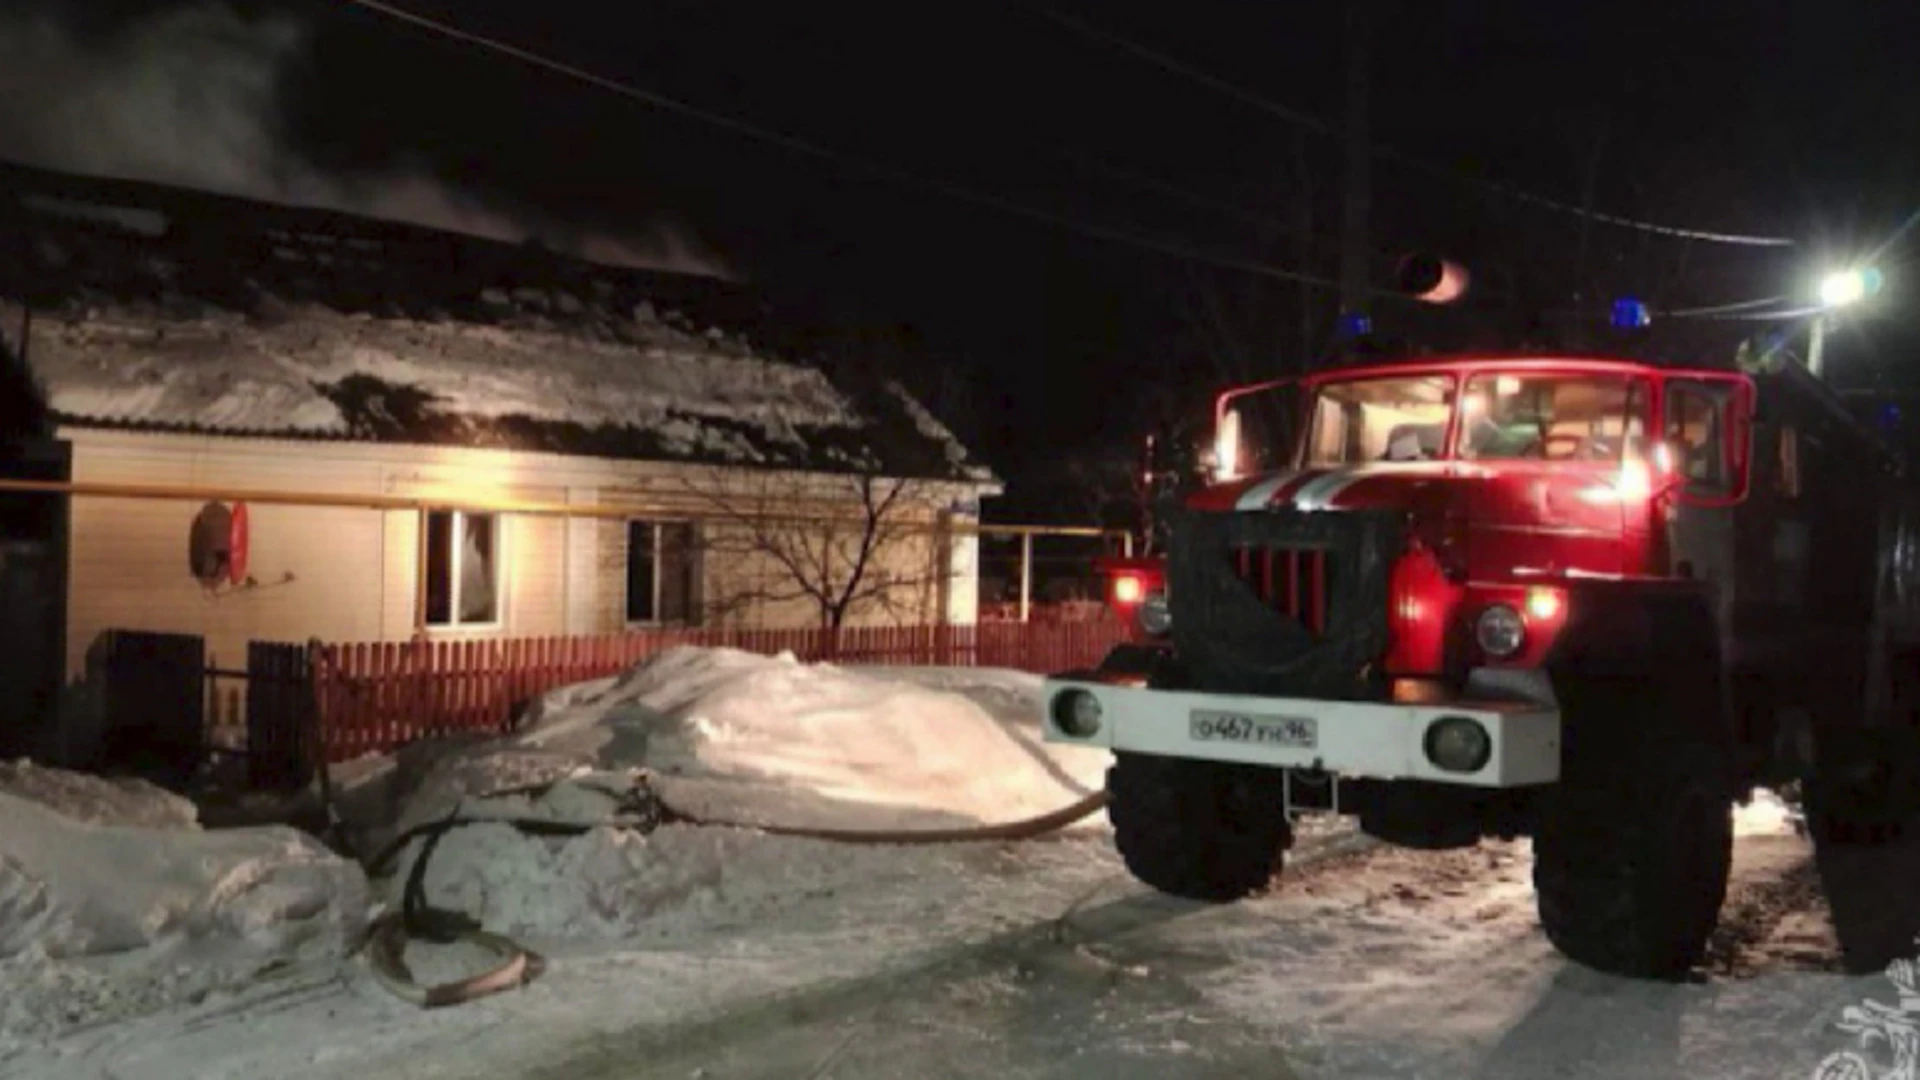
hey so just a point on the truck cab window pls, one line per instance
(1550, 417)
(1695, 430)
(1379, 419)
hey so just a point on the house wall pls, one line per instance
(353, 574)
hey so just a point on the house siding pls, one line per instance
(129, 559)
(352, 574)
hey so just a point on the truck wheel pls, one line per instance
(1199, 829)
(1630, 873)
(1863, 811)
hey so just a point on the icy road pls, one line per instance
(1046, 961)
(1373, 963)
(724, 953)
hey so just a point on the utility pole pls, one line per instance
(1353, 233)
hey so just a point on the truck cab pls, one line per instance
(1488, 595)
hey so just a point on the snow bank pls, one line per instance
(113, 902)
(729, 735)
(769, 739)
(97, 800)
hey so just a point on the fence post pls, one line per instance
(1026, 575)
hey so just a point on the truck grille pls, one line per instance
(1292, 581)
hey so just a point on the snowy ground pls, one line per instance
(758, 956)
(114, 903)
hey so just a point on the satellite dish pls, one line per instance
(237, 531)
(209, 544)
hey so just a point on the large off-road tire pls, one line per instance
(1198, 829)
(1863, 812)
(1630, 871)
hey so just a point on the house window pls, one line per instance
(463, 568)
(661, 583)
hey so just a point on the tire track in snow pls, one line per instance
(1065, 938)
(1775, 914)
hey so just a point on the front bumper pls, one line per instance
(1380, 740)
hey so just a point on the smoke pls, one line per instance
(192, 97)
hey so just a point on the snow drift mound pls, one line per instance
(97, 800)
(735, 736)
(772, 739)
(100, 920)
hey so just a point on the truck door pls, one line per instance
(1699, 429)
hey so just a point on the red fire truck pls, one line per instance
(1592, 600)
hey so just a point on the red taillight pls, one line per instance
(1129, 589)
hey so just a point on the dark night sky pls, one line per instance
(1794, 118)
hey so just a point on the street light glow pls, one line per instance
(1843, 287)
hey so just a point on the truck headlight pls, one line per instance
(1076, 713)
(1458, 744)
(1500, 631)
(1155, 615)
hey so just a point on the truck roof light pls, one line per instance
(1629, 314)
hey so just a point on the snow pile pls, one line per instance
(770, 739)
(97, 800)
(113, 902)
(738, 737)
(1766, 814)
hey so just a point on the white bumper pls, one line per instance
(1354, 738)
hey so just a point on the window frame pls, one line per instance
(1720, 401)
(1313, 400)
(1789, 484)
(1636, 405)
(657, 530)
(455, 555)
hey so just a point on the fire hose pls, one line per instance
(418, 920)
(387, 938)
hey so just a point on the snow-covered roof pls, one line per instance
(167, 310)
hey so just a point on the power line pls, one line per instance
(1716, 310)
(1151, 182)
(1321, 127)
(818, 151)
(1266, 105)
(1755, 316)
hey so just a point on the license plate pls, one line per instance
(1296, 732)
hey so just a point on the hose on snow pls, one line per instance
(418, 920)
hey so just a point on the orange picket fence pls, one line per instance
(374, 697)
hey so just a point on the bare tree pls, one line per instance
(845, 546)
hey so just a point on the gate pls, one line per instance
(31, 661)
(153, 697)
(280, 716)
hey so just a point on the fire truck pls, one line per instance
(1590, 600)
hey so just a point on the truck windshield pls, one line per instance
(1400, 418)
(1550, 417)
(1506, 416)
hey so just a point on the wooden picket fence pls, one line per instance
(376, 696)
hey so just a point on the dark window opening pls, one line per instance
(463, 570)
(662, 586)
